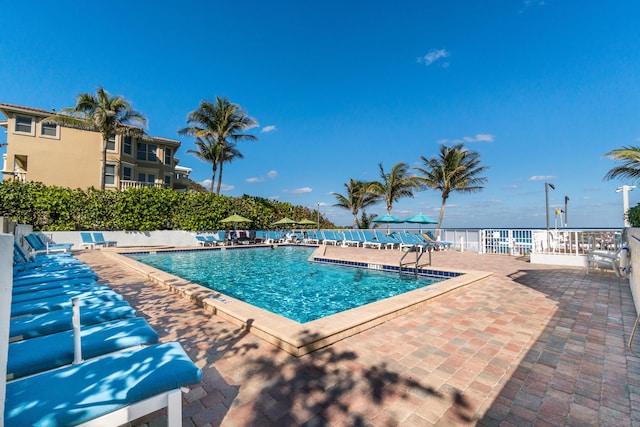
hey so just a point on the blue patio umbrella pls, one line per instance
(420, 219)
(388, 219)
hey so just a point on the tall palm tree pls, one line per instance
(221, 123)
(102, 113)
(206, 150)
(455, 169)
(396, 184)
(357, 197)
(630, 168)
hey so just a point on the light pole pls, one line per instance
(546, 195)
(566, 211)
(318, 204)
(625, 201)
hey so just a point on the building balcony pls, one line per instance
(135, 184)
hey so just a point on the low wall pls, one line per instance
(633, 237)
(131, 238)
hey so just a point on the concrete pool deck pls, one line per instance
(530, 345)
(296, 338)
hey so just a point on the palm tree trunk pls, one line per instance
(219, 179)
(104, 161)
(444, 201)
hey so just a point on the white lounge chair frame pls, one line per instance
(172, 400)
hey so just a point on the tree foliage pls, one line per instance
(136, 209)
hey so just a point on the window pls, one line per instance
(167, 180)
(126, 145)
(111, 143)
(49, 129)
(146, 152)
(149, 178)
(127, 173)
(23, 124)
(167, 156)
(110, 175)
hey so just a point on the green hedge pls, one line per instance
(138, 209)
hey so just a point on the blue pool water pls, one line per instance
(282, 281)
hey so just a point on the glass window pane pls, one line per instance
(111, 143)
(49, 129)
(126, 145)
(23, 124)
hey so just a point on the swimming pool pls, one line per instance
(282, 281)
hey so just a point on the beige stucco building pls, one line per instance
(45, 152)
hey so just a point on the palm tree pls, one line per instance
(394, 185)
(102, 113)
(630, 168)
(357, 197)
(206, 150)
(455, 169)
(221, 123)
(366, 221)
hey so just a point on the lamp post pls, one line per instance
(318, 224)
(625, 201)
(546, 195)
(566, 211)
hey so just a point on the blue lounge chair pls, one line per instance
(69, 292)
(87, 241)
(60, 320)
(99, 240)
(110, 390)
(437, 244)
(407, 240)
(330, 237)
(40, 246)
(370, 240)
(61, 301)
(387, 240)
(48, 352)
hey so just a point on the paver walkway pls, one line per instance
(533, 345)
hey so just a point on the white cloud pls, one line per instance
(479, 137)
(267, 129)
(272, 174)
(433, 55)
(254, 179)
(226, 187)
(542, 177)
(206, 183)
(301, 190)
(324, 204)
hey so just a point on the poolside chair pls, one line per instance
(330, 237)
(110, 390)
(44, 246)
(370, 240)
(614, 260)
(57, 302)
(387, 240)
(438, 244)
(408, 241)
(47, 352)
(87, 241)
(351, 238)
(37, 325)
(99, 240)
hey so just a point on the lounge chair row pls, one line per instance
(376, 239)
(78, 354)
(94, 240)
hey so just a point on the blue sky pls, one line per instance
(541, 89)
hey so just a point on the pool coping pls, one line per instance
(296, 338)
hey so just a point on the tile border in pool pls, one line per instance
(301, 338)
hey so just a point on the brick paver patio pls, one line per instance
(533, 345)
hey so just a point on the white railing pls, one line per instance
(135, 184)
(576, 242)
(20, 176)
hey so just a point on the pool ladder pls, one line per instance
(416, 263)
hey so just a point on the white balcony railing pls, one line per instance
(20, 176)
(135, 184)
